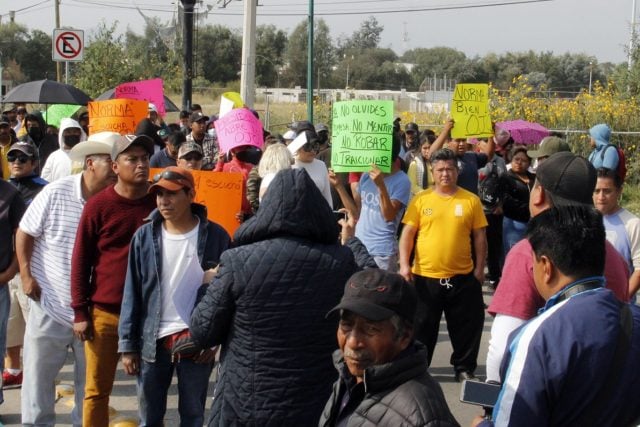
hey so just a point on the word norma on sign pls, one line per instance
(116, 115)
(362, 135)
(470, 111)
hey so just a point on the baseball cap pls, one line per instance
(411, 127)
(4, 121)
(548, 146)
(197, 116)
(377, 294)
(123, 144)
(289, 135)
(321, 127)
(24, 147)
(152, 107)
(173, 178)
(189, 147)
(98, 143)
(569, 179)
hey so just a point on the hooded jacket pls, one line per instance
(267, 308)
(400, 393)
(59, 163)
(45, 143)
(601, 156)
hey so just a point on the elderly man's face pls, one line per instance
(365, 343)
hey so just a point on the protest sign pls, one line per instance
(220, 192)
(470, 111)
(116, 115)
(229, 101)
(55, 113)
(143, 90)
(239, 127)
(362, 135)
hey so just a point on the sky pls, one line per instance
(598, 28)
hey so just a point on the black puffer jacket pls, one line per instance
(398, 394)
(267, 308)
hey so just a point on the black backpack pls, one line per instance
(489, 186)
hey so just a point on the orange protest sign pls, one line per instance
(220, 192)
(116, 115)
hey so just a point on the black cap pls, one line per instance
(197, 116)
(4, 121)
(411, 127)
(377, 294)
(569, 179)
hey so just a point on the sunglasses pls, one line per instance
(11, 158)
(172, 176)
(309, 147)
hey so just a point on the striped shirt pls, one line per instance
(52, 219)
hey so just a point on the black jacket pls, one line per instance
(515, 196)
(267, 308)
(397, 394)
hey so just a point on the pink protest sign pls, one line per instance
(145, 90)
(239, 127)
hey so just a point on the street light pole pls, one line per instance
(590, 75)
(310, 64)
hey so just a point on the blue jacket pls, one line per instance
(141, 303)
(557, 362)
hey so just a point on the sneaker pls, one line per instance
(11, 381)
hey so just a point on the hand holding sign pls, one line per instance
(239, 127)
(470, 111)
(362, 135)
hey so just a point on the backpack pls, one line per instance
(489, 186)
(622, 161)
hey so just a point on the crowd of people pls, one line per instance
(324, 307)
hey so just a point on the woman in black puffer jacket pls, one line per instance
(267, 308)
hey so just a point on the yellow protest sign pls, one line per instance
(220, 192)
(470, 111)
(116, 115)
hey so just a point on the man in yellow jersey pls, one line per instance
(446, 225)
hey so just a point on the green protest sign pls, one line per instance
(362, 133)
(57, 112)
(470, 111)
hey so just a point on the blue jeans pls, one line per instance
(154, 381)
(5, 304)
(512, 233)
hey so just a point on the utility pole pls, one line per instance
(248, 69)
(310, 65)
(58, 63)
(633, 34)
(187, 40)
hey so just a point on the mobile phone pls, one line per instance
(479, 393)
(338, 215)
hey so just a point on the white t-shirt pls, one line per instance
(52, 219)
(177, 253)
(318, 172)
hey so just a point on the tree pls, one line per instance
(295, 73)
(106, 62)
(219, 53)
(271, 44)
(366, 37)
(440, 61)
(31, 52)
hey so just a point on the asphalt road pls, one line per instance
(124, 401)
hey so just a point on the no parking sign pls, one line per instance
(68, 45)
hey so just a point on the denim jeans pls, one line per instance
(512, 233)
(5, 303)
(46, 345)
(154, 381)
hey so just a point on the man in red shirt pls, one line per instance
(564, 179)
(99, 266)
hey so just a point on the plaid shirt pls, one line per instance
(209, 148)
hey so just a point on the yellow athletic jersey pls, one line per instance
(443, 241)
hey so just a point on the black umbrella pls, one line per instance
(169, 106)
(47, 92)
